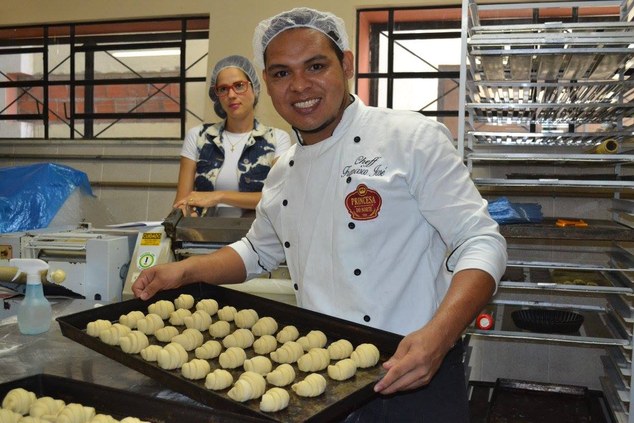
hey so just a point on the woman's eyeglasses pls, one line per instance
(239, 87)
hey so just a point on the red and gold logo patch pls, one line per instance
(363, 203)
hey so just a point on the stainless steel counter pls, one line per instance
(52, 353)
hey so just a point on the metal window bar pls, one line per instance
(89, 44)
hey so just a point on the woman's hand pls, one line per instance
(194, 199)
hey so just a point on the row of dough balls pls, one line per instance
(22, 406)
(315, 359)
(152, 324)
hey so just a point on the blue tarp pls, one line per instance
(31, 196)
(505, 212)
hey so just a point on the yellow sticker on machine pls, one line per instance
(151, 238)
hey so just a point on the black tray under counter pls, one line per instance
(119, 403)
(339, 399)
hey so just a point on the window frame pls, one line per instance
(144, 33)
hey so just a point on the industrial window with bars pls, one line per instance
(107, 80)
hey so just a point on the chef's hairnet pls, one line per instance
(234, 61)
(300, 17)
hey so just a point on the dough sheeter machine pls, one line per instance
(83, 262)
(179, 237)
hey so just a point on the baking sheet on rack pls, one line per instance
(339, 399)
(118, 403)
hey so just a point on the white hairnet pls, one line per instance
(300, 17)
(234, 61)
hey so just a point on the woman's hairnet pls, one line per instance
(245, 66)
(300, 17)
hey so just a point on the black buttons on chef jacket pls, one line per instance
(348, 179)
(357, 138)
(357, 272)
(366, 318)
(287, 244)
(285, 203)
(351, 225)
(295, 287)
(291, 163)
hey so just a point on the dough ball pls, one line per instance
(150, 353)
(258, 364)
(190, 339)
(245, 318)
(94, 328)
(313, 385)
(218, 379)
(340, 349)
(150, 323)
(196, 369)
(365, 355)
(242, 338)
(250, 385)
(288, 333)
(172, 356)
(290, 352)
(177, 317)
(200, 320)
(209, 305)
(133, 342)
(227, 313)
(275, 399)
(45, 407)
(131, 318)
(314, 360)
(166, 333)
(208, 350)
(220, 329)
(162, 307)
(342, 369)
(283, 375)
(184, 301)
(233, 357)
(9, 416)
(18, 400)
(264, 326)
(74, 413)
(112, 335)
(265, 344)
(314, 339)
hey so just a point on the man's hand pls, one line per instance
(414, 363)
(158, 278)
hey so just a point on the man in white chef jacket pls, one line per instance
(375, 215)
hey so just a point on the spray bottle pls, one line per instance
(34, 313)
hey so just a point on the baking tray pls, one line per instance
(523, 401)
(119, 403)
(339, 399)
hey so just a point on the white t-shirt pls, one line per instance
(228, 177)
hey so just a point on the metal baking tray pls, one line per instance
(339, 399)
(515, 400)
(118, 403)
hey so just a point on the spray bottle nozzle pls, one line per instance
(31, 267)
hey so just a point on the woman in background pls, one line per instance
(224, 165)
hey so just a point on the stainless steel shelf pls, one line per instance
(553, 182)
(585, 140)
(607, 159)
(516, 81)
(592, 332)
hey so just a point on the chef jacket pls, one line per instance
(373, 220)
